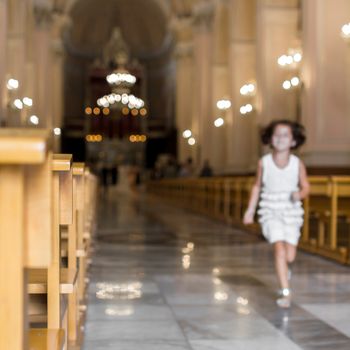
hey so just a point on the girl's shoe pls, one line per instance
(284, 300)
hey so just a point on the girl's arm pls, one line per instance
(303, 183)
(254, 197)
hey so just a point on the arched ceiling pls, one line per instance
(144, 25)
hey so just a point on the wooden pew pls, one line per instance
(26, 227)
(58, 282)
(226, 199)
(328, 200)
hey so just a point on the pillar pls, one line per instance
(326, 76)
(184, 88)
(220, 87)
(16, 56)
(43, 65)
(277, 30)
(60, 23)
(202, 82)
(3, 60)
(242, 130)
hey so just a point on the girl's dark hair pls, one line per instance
(298, 132)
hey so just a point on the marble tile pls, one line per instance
(106, 330)
(138, 345)
(144, 294)
(262, 343)
(128, 312)
(336, 315)
(236, 328)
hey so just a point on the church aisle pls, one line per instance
(165, 279)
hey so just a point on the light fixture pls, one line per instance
(88, 110)
(18, 103)
(187, 133)
(125, 99)
(219, 122)
(27, 101)
(137, 138)
(191, 141)
(292, 83)
(248, 108)
(345, 31)
(295, 81)
(287, 85)
(223, 104)
(12, 84)
(248, 89)
(57, 131)
(34, 119)
(94, 138)
(121, 78)
(291, 59)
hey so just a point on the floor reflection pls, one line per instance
(162, 278)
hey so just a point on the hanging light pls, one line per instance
(121, 78)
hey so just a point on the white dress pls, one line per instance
(280, 217)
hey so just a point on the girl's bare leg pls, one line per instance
(281, 263)
(291, 251)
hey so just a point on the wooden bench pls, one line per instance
(329, 199)
(227, 198)
(40, 198)
(26, 226)
(57, 281)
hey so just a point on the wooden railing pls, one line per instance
(327, 209)
(44, 216)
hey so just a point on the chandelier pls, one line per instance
(120, 80)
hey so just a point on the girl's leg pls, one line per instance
(291, 251)
(281, 263)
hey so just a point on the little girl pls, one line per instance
(281, 183)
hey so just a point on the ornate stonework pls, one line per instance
(203, 15)
(183, 49)
(43, 15)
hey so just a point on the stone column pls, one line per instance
(242, 134)
(184, 88)
(326, 76)
(43, 64)
(277, 30)
(202, 80)
(16, 56)
(220, 86)
(3, 41)
(61, 22)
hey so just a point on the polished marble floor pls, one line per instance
(163, 278)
